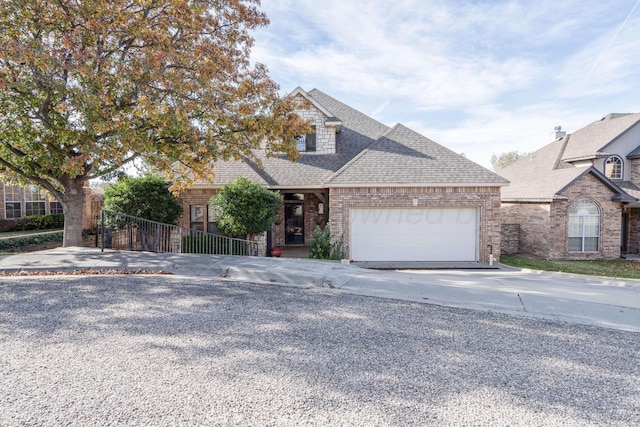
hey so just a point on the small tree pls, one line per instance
(148, 197)
(505, 159)
(245, 207)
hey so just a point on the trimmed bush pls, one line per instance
(40, 222)
(32, 222)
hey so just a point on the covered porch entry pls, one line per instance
(302, 211)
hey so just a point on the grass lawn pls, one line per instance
(610, 268)
(20, 233)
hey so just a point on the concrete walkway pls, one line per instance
(573, 298)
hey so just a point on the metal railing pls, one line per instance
(129, 233)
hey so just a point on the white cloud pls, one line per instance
(506, 72)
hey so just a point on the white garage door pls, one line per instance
(447, 234)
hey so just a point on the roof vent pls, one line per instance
(557, 133)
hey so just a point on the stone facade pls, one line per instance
(325, 135)
(486, 199)
(544, 226)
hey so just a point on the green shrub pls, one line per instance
(146, 197)
(40, 222)
(245, 207)
(17, 242)
(320, 242)
(322, 248)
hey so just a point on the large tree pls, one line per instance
(87, 86)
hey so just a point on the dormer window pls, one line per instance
(306, 143)
(613, 167)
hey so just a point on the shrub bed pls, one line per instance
(15, 243)
(32, 222)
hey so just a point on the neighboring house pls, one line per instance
(394, 194)
(577, 197)
(26, 201)
(34, 200)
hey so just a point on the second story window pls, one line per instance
(306, 143)
(613, 167)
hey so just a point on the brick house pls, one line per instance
(578, 197)
(34, 200)
(393, 194)
(26, 201)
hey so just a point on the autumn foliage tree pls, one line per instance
(87, 86)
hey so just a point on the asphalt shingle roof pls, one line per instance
(541, 175)
(367, 151)
(403, 156)
(593, 139)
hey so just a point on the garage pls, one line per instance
(414, 234)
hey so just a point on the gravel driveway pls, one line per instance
(159, 350)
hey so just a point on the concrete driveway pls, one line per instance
(569, 297)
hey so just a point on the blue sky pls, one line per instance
(479, 77)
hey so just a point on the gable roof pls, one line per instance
(357, 132)
(367, 153)
(592, 140)
(403, 157)
(543, 174)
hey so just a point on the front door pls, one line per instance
(294, 221)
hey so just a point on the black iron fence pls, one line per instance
(129, 233)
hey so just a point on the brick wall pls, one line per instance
(634, 164)
(195, 196)
(610, 220)
(93, 201)
(544, 226)
(534, 221)
(633, 244)
(486, 199)
(510, 239)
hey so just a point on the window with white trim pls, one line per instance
(584, 226)
(55, 207)
(34, 201)
(12, 202)
(613, 167)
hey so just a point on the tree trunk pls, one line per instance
(73, 204)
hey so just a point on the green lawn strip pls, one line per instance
(20, 233)
(619, 268)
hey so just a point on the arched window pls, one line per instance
(584, 227)
(613, 167)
